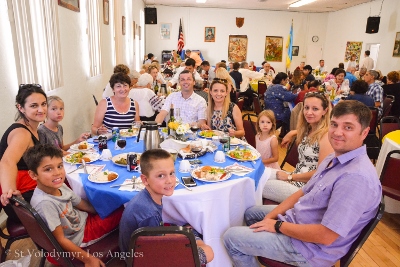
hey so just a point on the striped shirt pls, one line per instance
(113, 118)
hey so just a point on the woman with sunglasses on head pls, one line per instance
(31, 104)
(313, 147)
(222, 114)
(222, 73)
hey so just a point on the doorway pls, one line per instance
(374, 51)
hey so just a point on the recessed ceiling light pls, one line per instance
(201, 1)
(301, 3)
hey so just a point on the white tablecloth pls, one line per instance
(391, 205)
(210, 209)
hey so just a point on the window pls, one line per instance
(36, 42)
(93, 14)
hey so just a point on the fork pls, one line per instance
(80, 167)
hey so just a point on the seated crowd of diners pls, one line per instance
(316, 231)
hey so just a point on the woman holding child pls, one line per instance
(31, 103)
(117, 110)
(223, 115)
(313, 146)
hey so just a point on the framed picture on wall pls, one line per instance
(70, 4)
(209, 34)
(165, 31)
(295, 51)
(237, 48)
(106, 12)
(273, 48)
(396, 48)
(123, 25)
(353, 48)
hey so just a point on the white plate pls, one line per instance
(255, 155)
(123, 155)
(76, 147)
(235, 141)
(125, 133)
(92, 156)
(93, 177)
(226, 177)
(215, 133)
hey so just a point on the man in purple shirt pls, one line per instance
(317, 225)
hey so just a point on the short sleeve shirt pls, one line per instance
(191, 109)
(47, 136)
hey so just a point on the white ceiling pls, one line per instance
(317, 6)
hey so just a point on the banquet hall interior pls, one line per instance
(89, 41)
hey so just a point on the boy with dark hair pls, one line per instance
(145, 209)
(65, 213)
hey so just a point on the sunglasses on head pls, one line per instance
(29, 85)
(220, 80)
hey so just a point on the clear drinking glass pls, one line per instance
(196, 146)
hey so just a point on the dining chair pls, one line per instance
(372, 141)
(388, 124)
(390, 175)
(355, 247)
(16, 231)
(249, 126)
(262, 88)
(387, 105)
(256, 104)
(41, 235)
(163, 246)
(292, 155)
(240, 103)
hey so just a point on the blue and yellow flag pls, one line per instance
(289, 46)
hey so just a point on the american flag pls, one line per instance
(181, 42)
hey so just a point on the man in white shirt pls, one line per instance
(321, 67)
(245, 89)
(267, 71)
(368, 62)
(189, 65)
(207, 72)
(192, 106)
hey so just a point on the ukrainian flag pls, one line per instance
(289, 46)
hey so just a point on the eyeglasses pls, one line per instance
(29, 85)
(314, 94)
(220, 80)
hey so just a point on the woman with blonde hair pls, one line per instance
(313, 147)
(222, 73)
(222, 114)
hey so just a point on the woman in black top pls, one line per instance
(393, 88)
(31, 103)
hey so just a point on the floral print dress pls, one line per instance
(224, 124)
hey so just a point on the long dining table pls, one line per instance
(211, 208)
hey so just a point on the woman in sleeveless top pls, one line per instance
(313, 147)
(222, 115)
(31, 103)
(118, 110)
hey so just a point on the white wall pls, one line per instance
(78, 86)
(257, 25)
(349, 25)
(334, 29)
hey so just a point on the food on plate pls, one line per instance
(126, 133)
(208, 133)
(106, 176)
(210, 173)
(121, 161)
(77, 157)
(186, 149)
(242, 154)
(83, 145)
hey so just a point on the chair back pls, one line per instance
(374, 120)
(250, 128)
(292, 155)
(388, 124)
(256, 104)
(37, 229)
(240, 103)
(262, 88)
(365, 232)
(387, 105)
(164, 246)
(390, 175)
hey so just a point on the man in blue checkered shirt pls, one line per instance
(374, 90)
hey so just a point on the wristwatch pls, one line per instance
(290, 177)
(278, 225)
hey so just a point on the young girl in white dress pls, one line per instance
(266, 141)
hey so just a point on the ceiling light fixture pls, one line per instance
(301, 3)
(201, 1)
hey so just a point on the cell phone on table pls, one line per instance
(188, 181)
